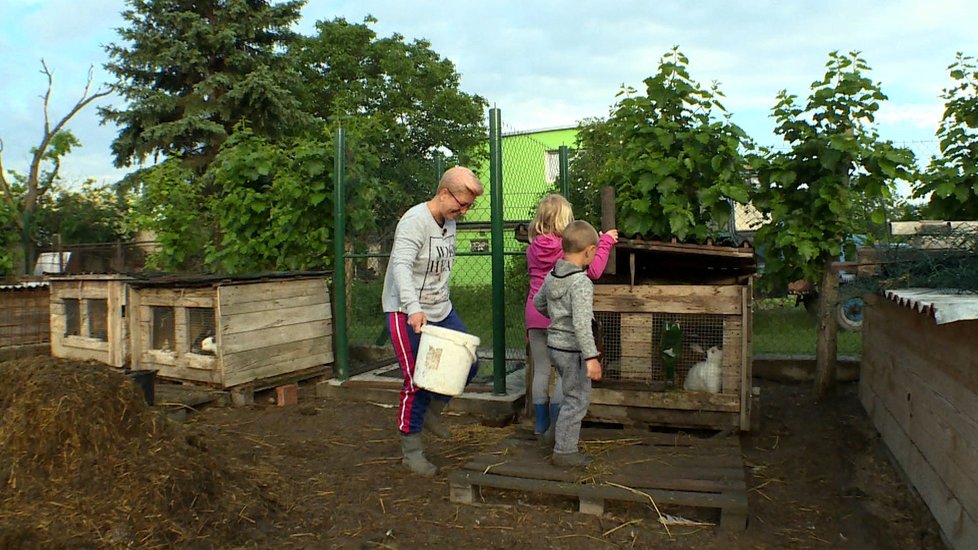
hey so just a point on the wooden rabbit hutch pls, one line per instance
(228, 332)
(25, 319)
(919, 385)
(663, 306)
(88, 318)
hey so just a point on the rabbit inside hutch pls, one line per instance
(706, 375)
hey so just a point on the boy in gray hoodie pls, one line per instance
(567, 298)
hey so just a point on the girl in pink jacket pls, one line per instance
(554, 213)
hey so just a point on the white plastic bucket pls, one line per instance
(444, 359)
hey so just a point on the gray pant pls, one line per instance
(540, 386)
(577, 396)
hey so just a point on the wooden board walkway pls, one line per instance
(636, 466)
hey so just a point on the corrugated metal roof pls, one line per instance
(24, 285)
(946, 306)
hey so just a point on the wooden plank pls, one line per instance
(636, 347)
(951, 348)
(635, 369)
(746, 358)
(256, 339)
(700, 479)
(663, 417)
(687, 248)
(732, 500)
(236, 294)
(693, 299)
(258, 320)
(241, 361)
(176, 297)
(697, 401)
(269, 304)
(960, 528)
(277, 369)
(731, 363)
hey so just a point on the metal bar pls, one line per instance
(339, 260)
(498, 262)
(563, 154)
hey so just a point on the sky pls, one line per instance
(543, 63)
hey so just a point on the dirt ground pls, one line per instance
(818, 477)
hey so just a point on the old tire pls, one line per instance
(850, 314)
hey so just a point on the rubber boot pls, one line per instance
(550, 436)
(571, 460)
(541, 416)
(414, 458)
(432, 419)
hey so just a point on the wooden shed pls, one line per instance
(662, 306)
(25, 320)
(228, 332)
(88, 318)
(919, 385)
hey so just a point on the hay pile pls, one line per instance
(85, 462)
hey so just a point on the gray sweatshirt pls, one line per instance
(420, 265)
(567, 297)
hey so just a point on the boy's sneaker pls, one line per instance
(571, 460)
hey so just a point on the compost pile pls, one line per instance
(85, 462)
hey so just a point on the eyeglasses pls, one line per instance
(462, 205)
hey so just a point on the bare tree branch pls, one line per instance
(33, 176)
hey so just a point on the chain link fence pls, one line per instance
(530, 169)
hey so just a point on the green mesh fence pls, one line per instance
(530, 169)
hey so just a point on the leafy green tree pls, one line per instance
(951, 179)
(593, 147)
(402, 98)
(814, 193)
(23, 193)
(677, 160)
(275, 207)
(172, 203)
(91, 214)
(191, 70)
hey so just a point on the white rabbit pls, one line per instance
(208, 344)
(705, 375)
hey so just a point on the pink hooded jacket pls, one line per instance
(541, 257)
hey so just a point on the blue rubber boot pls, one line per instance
(550, 436)
(541, 416)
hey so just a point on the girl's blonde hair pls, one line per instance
(554, 214)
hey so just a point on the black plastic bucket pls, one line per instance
(146, 380)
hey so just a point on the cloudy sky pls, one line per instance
(545, 63)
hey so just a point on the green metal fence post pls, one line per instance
(439, 166)
(563, 154)
(339, 262)
(498, 261)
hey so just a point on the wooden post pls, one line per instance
(608, 222)
(825, 345)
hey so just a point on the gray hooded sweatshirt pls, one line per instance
(567, 298)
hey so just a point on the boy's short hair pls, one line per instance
(578, 235)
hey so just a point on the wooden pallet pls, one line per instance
(636, 466)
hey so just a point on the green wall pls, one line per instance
(524, 182)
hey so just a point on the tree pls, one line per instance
(403, 102)
(677, 159)
(191, 70)
(275, 207)
(814, 192)
(23, 194)
(593, 146)
(92, 214)
(951, 179)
